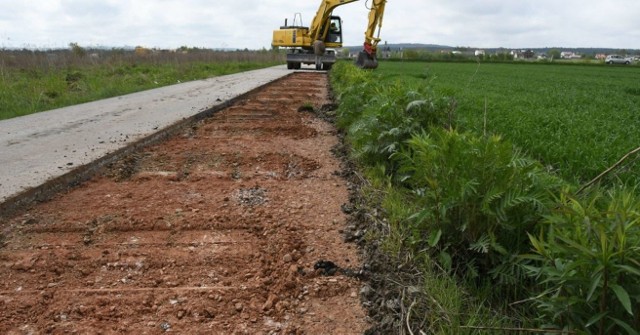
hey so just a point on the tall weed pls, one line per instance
(477, 198)
(588, 261)
(381, 116)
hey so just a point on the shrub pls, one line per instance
(381, 116)
(588, 260)
(477, 199)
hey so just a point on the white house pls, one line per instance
(569, 55)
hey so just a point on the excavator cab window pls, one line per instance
(334, 35)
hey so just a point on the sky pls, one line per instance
(240, 24)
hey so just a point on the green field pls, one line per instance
(35, 81)
(501, 239)
(576, 119)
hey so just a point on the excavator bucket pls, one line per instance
(366, 60)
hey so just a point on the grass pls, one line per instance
(483, 222)
(443, 306)
(577, 120)
(34, 81)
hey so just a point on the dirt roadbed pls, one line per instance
(234, 226)
(37, 148)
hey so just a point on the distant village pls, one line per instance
(435, 52)
(406, 51)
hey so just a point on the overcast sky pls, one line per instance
(249, 23)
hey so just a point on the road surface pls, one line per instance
(38, 148)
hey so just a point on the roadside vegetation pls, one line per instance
(576, 120)
(34, 81)
(477, 192)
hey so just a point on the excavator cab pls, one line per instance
(334, 35)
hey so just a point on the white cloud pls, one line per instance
(248, 24)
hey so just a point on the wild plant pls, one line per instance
(381, 116)
(478, 198)
(587, 259)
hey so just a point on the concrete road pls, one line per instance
(37, 148)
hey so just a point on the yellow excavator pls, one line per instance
(316, 44)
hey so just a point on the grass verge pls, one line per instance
(34, 81)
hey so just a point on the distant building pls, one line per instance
(386, 51)
(522, 54)
(569, 55)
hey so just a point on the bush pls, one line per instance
(477, 198)
(380, 116)
(588, 260)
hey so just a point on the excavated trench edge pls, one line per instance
(87, 171)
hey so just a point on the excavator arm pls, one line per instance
(367, 59)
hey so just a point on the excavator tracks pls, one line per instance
(215, 230)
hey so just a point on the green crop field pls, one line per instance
(577, 120)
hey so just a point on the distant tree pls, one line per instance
(77, 49)
(554, 54)
(185, 49)
(502, 56)
(411, 54)
(462, 49)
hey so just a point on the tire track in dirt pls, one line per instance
(214, 231)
